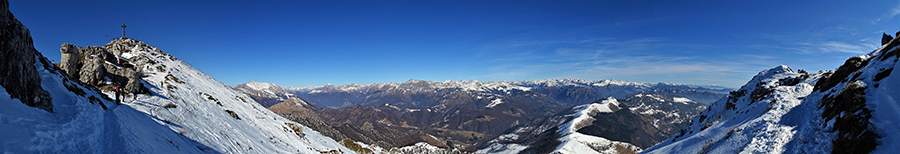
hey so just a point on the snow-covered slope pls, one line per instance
(185, 111)
(575, 142)
(80, 124)
(559, 134)
(853, 109)
(82, 119)
(211, 113)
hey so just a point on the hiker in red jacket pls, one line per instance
(118, 95)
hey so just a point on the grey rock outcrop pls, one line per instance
(99, 64)
(885, 38)
(127, 76)
(70, 60)
(92, 71)
(18, 74)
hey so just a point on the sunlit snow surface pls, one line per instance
(788, 120)
(198, 124)
(495, 102)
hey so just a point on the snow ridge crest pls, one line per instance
(851, 109)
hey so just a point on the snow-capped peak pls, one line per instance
(852, 109)
(584, 114)
(259, 85)
(495, 102)
(651, 96)
(683, 100)
(566, 126)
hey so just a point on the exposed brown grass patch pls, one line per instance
(233, 115)
(170, 105)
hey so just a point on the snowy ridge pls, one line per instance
(683, 100)
(724, 124)
(851, 109)
(566, 126)
(260, 85)
(267, 94)
(495, 102)
(575, 142)
(268, 88)
(585, 113)
(211, 113)
(650, 96)
(186, 111)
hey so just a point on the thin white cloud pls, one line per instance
(888, 15)
(823, 47)
(843, 47)
(825, 40)
(643, 59)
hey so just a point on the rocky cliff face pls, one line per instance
(17, 65)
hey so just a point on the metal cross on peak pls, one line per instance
(123, 30)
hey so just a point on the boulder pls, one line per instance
(134, 84)
(92, 71)
(18, 74)
(885, 38)
(124, 76)
(70, 60)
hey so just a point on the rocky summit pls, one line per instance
(98, 64)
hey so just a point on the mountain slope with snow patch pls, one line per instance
(211, 112)
(559, 134)
(852, 109)
(266, 94)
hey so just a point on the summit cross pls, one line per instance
(123, 30)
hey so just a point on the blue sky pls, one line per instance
(313, 43)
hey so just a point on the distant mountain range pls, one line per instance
(455, 114)
(72, 107)
(422, 94)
